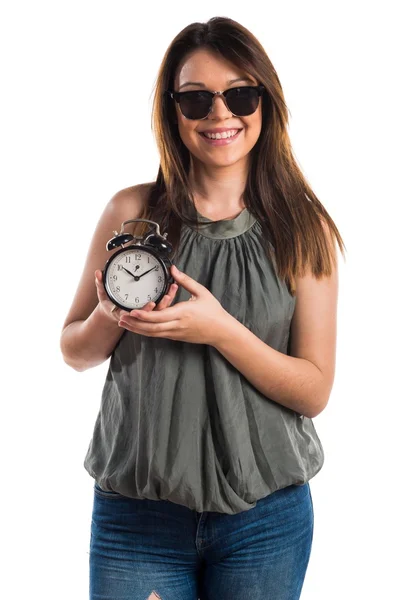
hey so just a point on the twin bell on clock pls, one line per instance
(139, 272)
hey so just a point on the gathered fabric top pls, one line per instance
(177, 421)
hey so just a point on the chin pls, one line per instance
(215, 157)
(221, 161)
(226, 163)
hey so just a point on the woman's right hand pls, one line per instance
(106, 304)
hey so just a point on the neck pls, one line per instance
(218, 190)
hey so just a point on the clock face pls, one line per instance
(134, 277)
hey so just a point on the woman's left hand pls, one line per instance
(198, 320)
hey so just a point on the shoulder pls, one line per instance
(134, 197)
(328, 250)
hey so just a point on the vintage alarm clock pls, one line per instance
(139, 272)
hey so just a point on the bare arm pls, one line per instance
(90, 333)
(88, 343)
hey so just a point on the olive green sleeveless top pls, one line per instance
(177, 421)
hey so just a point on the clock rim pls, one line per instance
(165, 264)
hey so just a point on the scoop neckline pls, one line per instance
(208, 220)
(224, 228)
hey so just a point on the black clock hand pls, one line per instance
(129, 272)
(145, 273)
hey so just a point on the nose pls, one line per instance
(219, 109)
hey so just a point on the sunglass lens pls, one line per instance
(195, 105)
(242, 101)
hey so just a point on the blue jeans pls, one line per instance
(142, 546)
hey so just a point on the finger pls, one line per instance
(98, 275)
(167, 299)
(149, 306)
(101, 293)
(167, 329)
(160, 316)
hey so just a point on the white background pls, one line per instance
(77, 81)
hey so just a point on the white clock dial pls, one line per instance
(123, 271)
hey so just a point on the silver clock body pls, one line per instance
(135, 275)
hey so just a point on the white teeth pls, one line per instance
(224, 134)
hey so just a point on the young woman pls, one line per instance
(204, 442)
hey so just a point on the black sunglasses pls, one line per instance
(197, 104)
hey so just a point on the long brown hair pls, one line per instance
(292, 218)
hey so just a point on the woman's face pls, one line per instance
(215, 73)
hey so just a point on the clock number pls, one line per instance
(138, 257)
(127, 259)
(119, 267)
(117, 289)
(157, 268)
(114, 277)
(156, 290)
(137, 300)
(159, 278)
(148, 297)
(126, 296)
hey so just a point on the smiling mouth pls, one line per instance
(221, 137)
